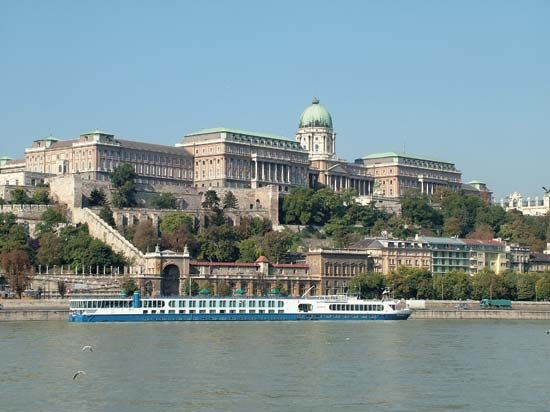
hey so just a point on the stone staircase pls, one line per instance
(101, 230)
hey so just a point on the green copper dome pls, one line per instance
(316, 116)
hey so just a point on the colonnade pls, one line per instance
(278, 173)
(339, 183)
(428, 187)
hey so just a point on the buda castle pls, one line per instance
(232, 158)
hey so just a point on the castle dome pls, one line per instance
(316, 116)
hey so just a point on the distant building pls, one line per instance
(336, 267)
(94, 155)
(539, 206)
(478, 189)
(518, 258)
(487, 254)
(389, 254)
(539, 262)
(448, 254)
(396, 173)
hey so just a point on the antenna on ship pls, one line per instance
(307, 291)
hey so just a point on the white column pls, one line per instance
(256, 170)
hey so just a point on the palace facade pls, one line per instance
(237, 158)
(396, 173)
(95, 154)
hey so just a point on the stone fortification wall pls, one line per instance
(27, 215)
(5, 190)
(502, 314)
(260, 202)
(74, 191)
(102, 231)
(33, 314)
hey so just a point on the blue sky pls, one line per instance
(464, 81)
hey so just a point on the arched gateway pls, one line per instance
(170, 281)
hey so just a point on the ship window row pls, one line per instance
(213, 303)
(211, 311)
(353, 308)
(99, 304)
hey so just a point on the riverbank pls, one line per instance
(512, 314)
(58, 309)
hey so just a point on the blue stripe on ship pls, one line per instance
(232, 317)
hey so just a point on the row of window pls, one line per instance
(353, 308)
(212, 303)
(99, 304)
(211, 311)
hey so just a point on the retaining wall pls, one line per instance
(33, 314)
(503, 314)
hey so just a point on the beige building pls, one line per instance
(395, 173)
(487, 254)
(236, 158)
(389, 254)
(336, 267)
(167, 273)
(95, 154)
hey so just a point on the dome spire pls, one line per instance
(315, 101)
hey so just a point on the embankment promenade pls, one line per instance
(58, 309)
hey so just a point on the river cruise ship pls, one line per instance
(137, 309)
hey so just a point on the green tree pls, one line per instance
(178, 239)
(526, 286)
(253, 226)
(190, 288)
(13, 236)
(452, 227)
(106, 214)
(488, 285)
(224, 289)
(41, 197)
(281, 287)
(123, 180)
(410, 283)
(230, 201)
(164, 201)
(219, 243)
(145, 237)
(297, 206)
(275, 246)
(97, 197)
(417, 210)
(248, 250)
(16, 266)
(216, 217)
(51, 218)
(20, 197)
(50, 251)
(482, 231)
(177, 221)
(128, 285)
(367, 285)
(454, 285)
(80, 250)
(211, 199)
(543, 286)
(341, 231)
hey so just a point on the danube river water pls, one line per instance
(414, 365)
